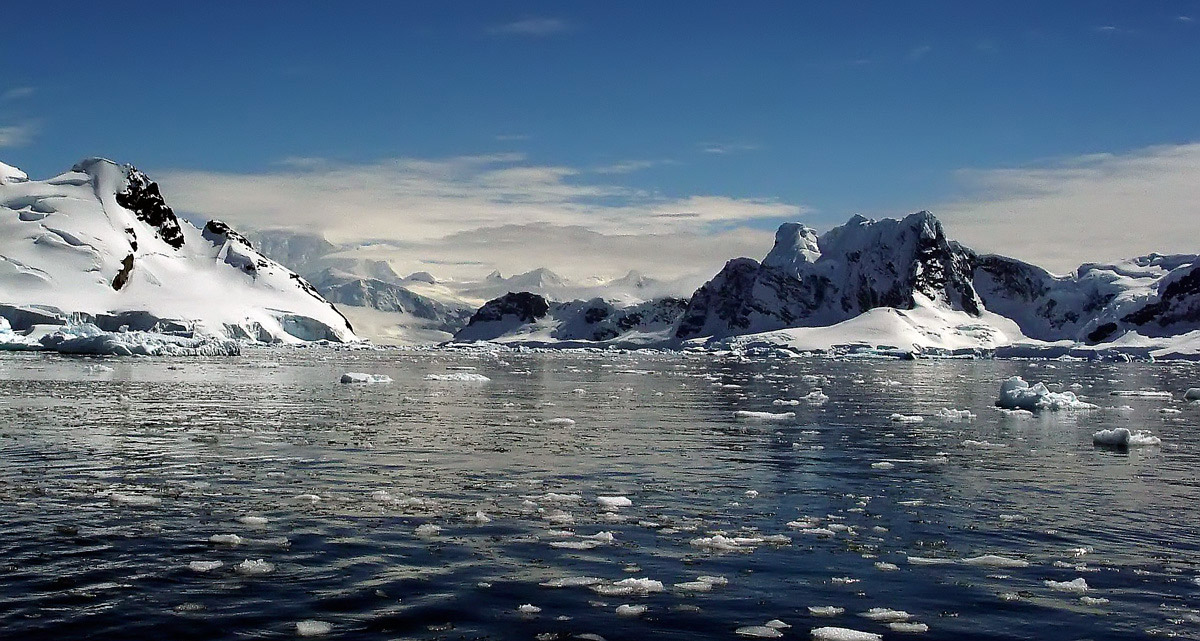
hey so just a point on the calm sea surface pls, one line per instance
(436, 509)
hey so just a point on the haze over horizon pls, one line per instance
(461, 138)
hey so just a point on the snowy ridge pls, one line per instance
(99, 245)
(895, 287)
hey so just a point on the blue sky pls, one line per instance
(831, 108)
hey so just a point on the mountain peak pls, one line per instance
(10, 174)
(795, 245)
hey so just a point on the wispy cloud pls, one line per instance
(1085, 208)
(917, 53)
(16, 93)
(533, 27)
(630, 166)
(510, 137)
(727, 147)
(1185, 19)
(17, 135)
(426, 203)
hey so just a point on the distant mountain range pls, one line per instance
(99, 244)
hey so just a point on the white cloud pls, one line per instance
(630, 166)
(535, 27)
(1096, 207)
(435, 208)
(727, 148)
(17, 135)
(16, 93)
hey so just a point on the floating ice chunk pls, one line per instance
(226, 539)
(758, 632)
(882, 465)
(1015, 393)
(1076, 586)
(360, 378)
(1122, 438)
(886, 615)
(777, 624)
(313, 628)
(311, 498)
(630, 610)
(843, 634)
(713, 580)
(1141, 393)
(763, 417)
(908, 627)
(459, 377)
(722, 543)
(1092, 601)
(884, 566)
(479, 517)
(559, 422)
(844, 580)
(694, 586)
(613, 502)
(254, 568)
(901, 418)
(781, 402)
(572, 582)
(553, 497)
(204, 566)
(252, 521)
(825, 610)
(948, 414)
(133, 500)
(751, 494)
(816, 397)
(925, 560)
(428, 530)
(579, 391)
(983, 445)
(640, 586)
(995, 561)
(528, 608)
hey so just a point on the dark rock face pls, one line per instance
(859, 266)
(122, 276)
(218, 232)
(524, 306)
(141, 196)
(1178, 302)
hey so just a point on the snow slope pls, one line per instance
(99, 244)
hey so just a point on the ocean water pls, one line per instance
(437, 509)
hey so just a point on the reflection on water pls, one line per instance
(436, 509)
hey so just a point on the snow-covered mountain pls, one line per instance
(100, 245)
(899, 286)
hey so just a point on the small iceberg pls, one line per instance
(359, 378)
(1016, 394)
(1122, 438)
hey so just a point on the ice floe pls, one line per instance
(458, 377)
(902, 418)
(254, 568)
(763, 417)
(1121, 438)
(1075, 586)
(1016, 394)
(886, 615)
(825, 610)
(843, 634)
(359, 378)
(204, 566)
(758, 632)
(948, 414)
(996, 561)
(313, 628)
